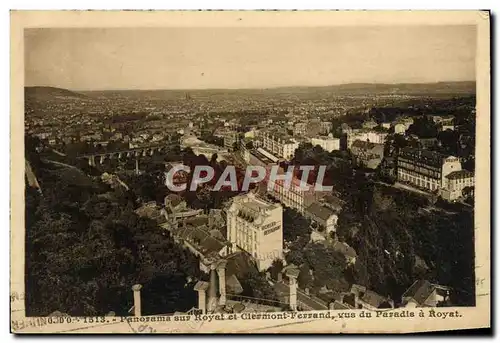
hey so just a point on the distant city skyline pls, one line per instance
(246, 58)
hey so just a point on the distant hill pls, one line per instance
(354, 89)
(304, 92)
(463, 87)
(46, 93)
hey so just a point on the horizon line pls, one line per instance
(256, 88)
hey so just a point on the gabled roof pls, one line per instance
(419, 291)
(320, 211)
(373, 299)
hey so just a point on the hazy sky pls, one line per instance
(186, 58)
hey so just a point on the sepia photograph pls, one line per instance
(223, 172)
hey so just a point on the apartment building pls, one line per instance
(434, 172)
(365, 135)
(256, 226)
(367, 154)
(458, 184)
(295, 196)
(299, 129)
(280, 146)
(328, 143)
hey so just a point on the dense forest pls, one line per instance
(85, 248)
(391, 230)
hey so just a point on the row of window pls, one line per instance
(423, 169)
(426, 177)
(419, 181)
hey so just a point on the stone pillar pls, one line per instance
(137, 299)
(201, 287)
(293, 293)
(221, 271)
(293, 272)
(212, 289)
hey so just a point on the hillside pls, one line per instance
(47, 93)
(354, 89)
(466, 87)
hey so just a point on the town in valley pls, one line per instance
(396, 231)
(393, 141)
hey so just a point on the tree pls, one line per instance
(423, 127)
(276, 267)
(84, 251)
(295, 225)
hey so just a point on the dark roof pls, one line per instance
(320, 211)
(372, 298)
(333, 201)
(459, 174)
(365, 145)
(339, 306)
(197, 221)
(419, 291)
(201, 238)
(425, 156)
(210, 244)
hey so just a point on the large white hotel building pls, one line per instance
(256, 226)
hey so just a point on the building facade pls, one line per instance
(366, 136)
(433, 172)
(367, 154)
(256, 226)
(327, 143)
(295, 196)
(458, 184)
(282, 147)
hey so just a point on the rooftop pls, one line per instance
(320, 211)
(459, 174)
(373, 299)
(366, 145)
(419, 291)
(429, 157)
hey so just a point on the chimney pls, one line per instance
(137, 299)
(221, 271)
(201, 287)
(212, 289)
(331, 306)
